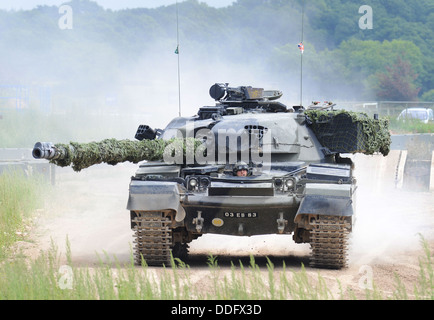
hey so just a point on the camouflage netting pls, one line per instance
(112, 151)
(349, 132)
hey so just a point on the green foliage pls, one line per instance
(428, 96)
(112, 151)
(102, 43)
(361, 64)
(43, 279)
(370, 56)
(20, 196)
(397, 82)
(424, 289)
(350, 132)
(410, 126)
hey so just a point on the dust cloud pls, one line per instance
(88, 210)
(389, 220)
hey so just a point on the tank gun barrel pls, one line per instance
(110, 151)
(45, 150)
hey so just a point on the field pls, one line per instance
(80, 248)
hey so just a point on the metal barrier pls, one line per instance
(415, 167)
(383, 108)
(22, 160)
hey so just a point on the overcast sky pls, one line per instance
(108, 4)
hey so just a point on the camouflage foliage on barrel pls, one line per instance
(349, 132)
(110, 151)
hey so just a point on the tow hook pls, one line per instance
(281, 223)
(198, 221)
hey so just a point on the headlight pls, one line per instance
(289, 183)
(284, 184)
(278, 183)
(198, 183)
(204, 182)
(192, 182)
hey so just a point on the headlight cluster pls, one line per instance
(197, 183)
(284, 184)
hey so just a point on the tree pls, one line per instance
(428, 96)
(398, 82)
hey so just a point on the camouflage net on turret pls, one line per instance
(112, 151)
(349, 132)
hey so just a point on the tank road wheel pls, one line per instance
(152, 237)
(329, 241)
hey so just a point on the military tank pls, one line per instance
(248, 165)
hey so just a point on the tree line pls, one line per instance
(392, 60)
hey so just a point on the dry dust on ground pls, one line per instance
(89, 209)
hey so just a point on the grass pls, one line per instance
(48, 278)
(424, 289)
(252, 283)
(410, 126)
(20, 196)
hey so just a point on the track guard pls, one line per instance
(151, 196)
(326, 199)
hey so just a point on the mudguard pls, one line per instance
(327, 199)
(152, 196)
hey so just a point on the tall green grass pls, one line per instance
(410, 126)
(42, 279)
(252, 283)
(46, 278)
(20, 196)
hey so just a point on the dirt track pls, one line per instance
(90, 209)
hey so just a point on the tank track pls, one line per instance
(152, 238)
(329, 241)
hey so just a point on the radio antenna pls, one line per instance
(177, 52)
(301, 47)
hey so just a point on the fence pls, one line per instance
(21, 159)
(385, 108)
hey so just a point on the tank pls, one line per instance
(247, 165)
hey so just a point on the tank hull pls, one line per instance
(243, 216)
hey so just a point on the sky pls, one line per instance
(107, 4)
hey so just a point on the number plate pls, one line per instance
(241, 215)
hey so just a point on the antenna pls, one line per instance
(301, 47)
(177, 52)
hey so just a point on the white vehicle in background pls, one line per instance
(425, 115)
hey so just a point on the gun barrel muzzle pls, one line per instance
(44, 150)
